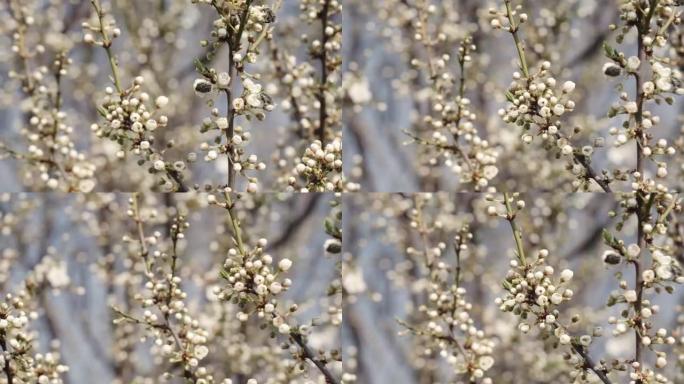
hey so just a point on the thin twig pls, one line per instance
(141, 232)
(107, 45)
(517, 234)
(235, 223)
(518, 43)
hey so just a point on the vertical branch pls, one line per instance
(56, 105)
(235, 223)
(323, 113)
(643, 26)
(233, 48)
(175, 235)
(230, 131)
(19, 16)
(517, 234)
(460, 240)
(135, 207)
(6, 368)
(518, 43)
(107, 45)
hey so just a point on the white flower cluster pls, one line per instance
(448, 135)
(537, 100)
(447, 323)
(252, 277)
(443, 321)
(17, 358)
(449, 312)
(254, 283)
(252, 100)
(532, 289)
(241, 161)
(299, 91)
(131, 121)
(310, 92)
(237, 22)
(477, 165)
(540, 101)
(534, 293)
(319, 169)
(132, 118)
(51, 157)
(131, 115)
(357, 89)
(177, 336)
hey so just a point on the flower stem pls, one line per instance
(323, 113)
(235, 223)
(643, 26)
(518, 43)
(144, 252)
(517, 234)
(107, 44)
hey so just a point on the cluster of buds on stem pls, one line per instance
(18, 360)
(319, 169)
(51, 158)
(449, 131)
(178, 336)
(241, 26)
(534, 293)
(446, 322)
(253, 279)
(537, 100)
(131, 114)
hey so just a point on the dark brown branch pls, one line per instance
(589, 363)
(323, 113)
(7, 369)
(309, 355)
(591, 174)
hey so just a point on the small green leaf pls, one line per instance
(224, 274)
(101, 111)
(607, 237)
(612, 112)
(611, 52)
(329, 227)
